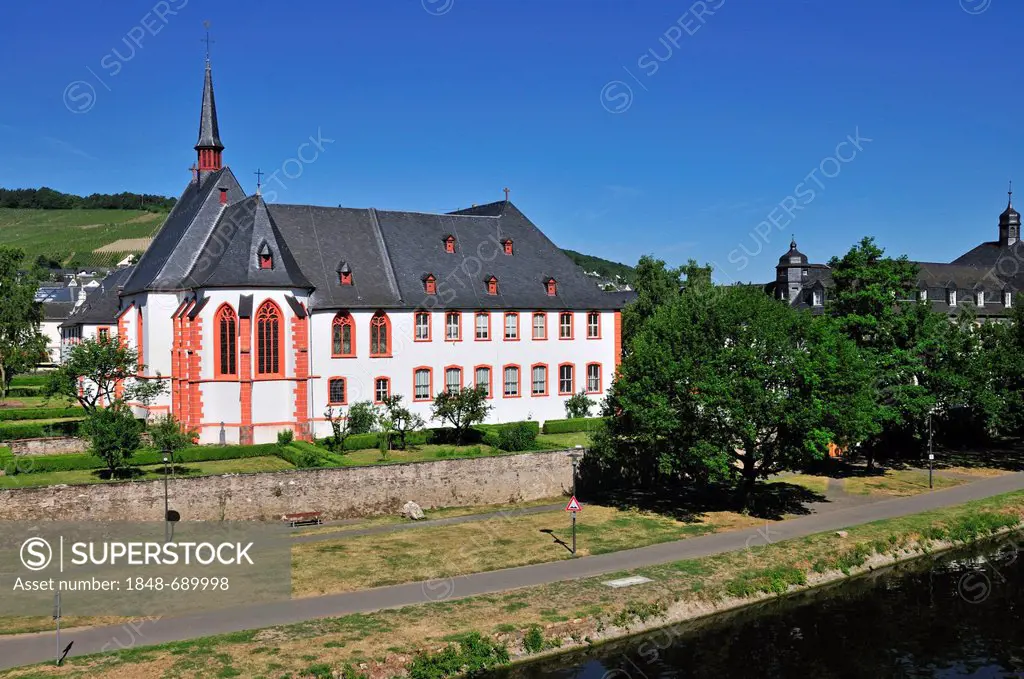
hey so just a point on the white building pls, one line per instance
(259, 316)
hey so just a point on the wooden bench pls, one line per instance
(302, 519)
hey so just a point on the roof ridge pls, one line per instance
(389, 267)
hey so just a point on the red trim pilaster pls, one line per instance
(300, 342)
(245, 433)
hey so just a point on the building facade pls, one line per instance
(259, 317)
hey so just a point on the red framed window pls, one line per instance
(511, 326)
(343, 336)
(430, 284)
(452, 378)
(566, 379)
(552, 287)
(227, 341)
(565, 325)
(593, 378)
(346, 278)
(511, 381)
(422, 326)
(381, 389)
(540, 325)
(482, 326)
(422, 383)
(103, 333)
(449, 244)
(266, 261)
(539, 380)
(507, 245)
(593, 325)
(482, 378)
(337, 394)
(380, 335)
(268, 339)
(492, 286)
(453, 326)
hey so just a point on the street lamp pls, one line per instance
(931, 455)
(167, 513)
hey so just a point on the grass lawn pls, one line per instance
(560, 441)
(432, 451)
(36, 402)
(501, 542)
(816, 483)
(898, 483)
(268, 463)
(568, 612)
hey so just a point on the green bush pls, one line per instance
(34, 430)
(36, 380)
(80, 461)
(578, 406)
(8, 414)
(517, 436)
(471, 657)
(533, 640)
(362, 417)
(15, 392)
(573, 425)
(303, 458)
(285, 436)
(372, 439)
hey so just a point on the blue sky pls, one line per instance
(621, 127)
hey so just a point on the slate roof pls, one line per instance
(102, 304)
(209, 131)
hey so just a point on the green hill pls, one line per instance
(604, 268)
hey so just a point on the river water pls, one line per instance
(958, 615)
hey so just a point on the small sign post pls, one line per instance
(56, 617)
(573, 507)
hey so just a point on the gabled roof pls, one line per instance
(102, 304)
(176, 247)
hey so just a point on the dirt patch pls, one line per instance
(125, 245)
(142, 219)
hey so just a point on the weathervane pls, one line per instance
(207, 39)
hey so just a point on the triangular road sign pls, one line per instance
(573, 505)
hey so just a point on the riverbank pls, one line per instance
(556, 617)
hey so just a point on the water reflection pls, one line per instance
(957, 616)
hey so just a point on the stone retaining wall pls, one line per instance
(50, 445)
(338, 493)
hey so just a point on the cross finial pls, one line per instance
(207, 39)
(506, 193)
(195, 172)
(1009, 195)
(259, 180)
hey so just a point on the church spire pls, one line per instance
(209, 146)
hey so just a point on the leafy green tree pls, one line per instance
(731, 391)
(401, 421)
(115, 435)
(171, 435)
(462, 408)
(362, 417)
(655, 284)
(22, 346)
(341, 428)
(578, 405)
(98, 365)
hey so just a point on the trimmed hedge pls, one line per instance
(14, 392)
(32, 430)
(29, 380)
(7, 414)
(146, 456)
(573, 425)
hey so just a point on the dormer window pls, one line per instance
(552, 287)
(816, 298)
(492, 286)
(449, 244)
(1007, 299)
(507, 245)
(981, 298)
(266, 259)
(430, 284)
(923, 295)
(344, 274)
(951, 297)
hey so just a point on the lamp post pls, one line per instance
(931, 455)
(575, 457)
(167, 523)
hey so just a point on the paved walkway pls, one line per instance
(34, 648)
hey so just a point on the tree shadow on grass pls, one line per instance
(689, 503)
(558, 540)
(123, 474)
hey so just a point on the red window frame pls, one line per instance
(103, 332)
(387, 381)
(572, 325)
(572, 379)
(449, 244)
(341, 320)
(462, 375)
(266, 261)
(519, 381)
(600, 378)
(507, 244)
(504, 326)
(492, 286)
(346, 278)
(476, 318)
(457, 315)
(552, 286)
(380, 323)
(430, 383)
(269, 331)
(415, 326)
(597, 334)
(547, 377)
(533, 322)
(227, 342)
(330, 391)
(430, 284)
(490, 378)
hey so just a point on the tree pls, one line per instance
(731, 391)
(399, 419)
(362, 417)
(341, 427)
(171, 436)
(655, 284)
(98, 366)
(462, 408)
(22, 346)
(578, 405)
(115, 435)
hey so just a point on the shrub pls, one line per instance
(533, 640)
(171, 435)
(573, 425)
(285, 436)
(517, 436)
(473, 655)
(81, 461)
(578, 405)
(115, 435)
(32, 430)
(301, 457)
(362, 417)
(8, 414)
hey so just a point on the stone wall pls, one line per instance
(338, 493)
(51, 445)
